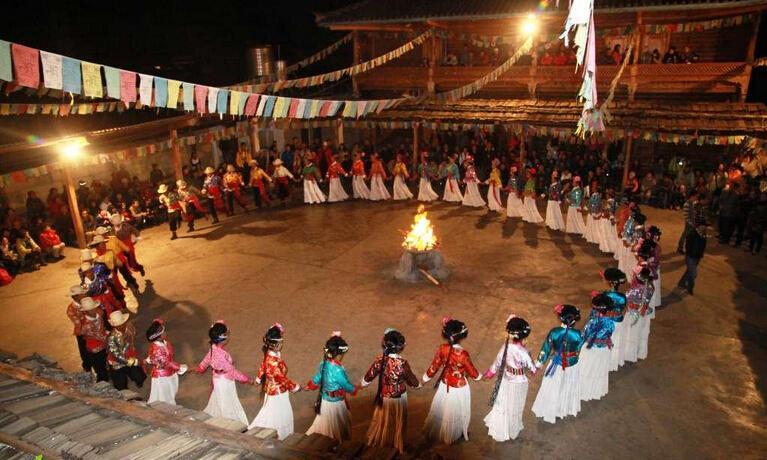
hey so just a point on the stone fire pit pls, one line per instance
(415, 266)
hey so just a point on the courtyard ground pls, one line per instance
(700, 394)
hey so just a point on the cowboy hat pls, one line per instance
(102, 231)
(116, 219)
(162, 189)
(181, 184)
(98, 239)
(277, 162)
(253, 163)
(209, 170)
(88, 304)
(86, 266)
(77, 289)
(86, 255)
(230, 168)
(118, 318)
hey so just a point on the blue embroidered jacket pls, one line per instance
(562, 345)
(575, 197)
(595, 204)
(628, 230)
(335, 383)
(618, 310)
(598, 332)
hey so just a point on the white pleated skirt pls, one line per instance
(333, 421)
(164, 389)
(449, 416)
(471, 196)
(276, 413)
(514, 206)
(603, 228)
(554, 218)
(504, 422)
(494, 198)
(425, 192)
(336, 191)
(531, 211)
(360, 189)
(224, 401)
(401, 191)
(388, 426)
(312, 192)
(591, 229)
(616, 242)
(452, 192)
(655, 301)
(574, 222)
(378, 190)
(619, 342)
(559, 395)
(637, 336)
(595, 372)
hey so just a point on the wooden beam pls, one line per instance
(339, 132)
(356, 59)
(74, 208)
(750, 58)
(430, 88)
(255, 142)
(522, 140)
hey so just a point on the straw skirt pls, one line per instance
(449, 415)
(471, 196)
(514, 206)
(494, 198)
(164, 389)
(559, 395)
(531, 211)
(595, 372)
(360, 189)
(452, 192)
(333, 421)
(336, 191)
(504, 421)
(574, 222)
(554, 218)
(276, 413)
(224, 402)
(401, 191)
(312, 192)
(425, 192)
(378, 189)
(388, 427)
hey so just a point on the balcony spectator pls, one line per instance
(547, 58)
(495, 58)
(484, 58)
(451, 59)
(688, 56)
(463, 57)
(616, 57)
(561, 57)
(671, 56)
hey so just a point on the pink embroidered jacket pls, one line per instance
(220, 361)
(161, 359)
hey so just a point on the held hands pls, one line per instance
(425, 378)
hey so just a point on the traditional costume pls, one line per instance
(360, 189)
(76, 316)
(282, 178)
(312, 192)
(425, 191)
(638, 309)
(232, 182)
(559, 394)
(165, 370)
(170, 200)
(654, 233)
(514, 205)
(494, 188)
(336, 191)
(123, 358)
(94, 331)
(574, 222)
(377, 176)
(128, 235)
(615, 277)
(531, 210)
(595, 354)
(554, 218)
(211, 188)
(471, 196)
(259, 181)
(452, 191)
(400, 189)
(190, 197)
(594, 214)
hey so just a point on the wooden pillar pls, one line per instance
(176, 150)
(416, 144)
(74, 208)
(750, 58)
(627, 143)
(356, 60)
(430, 87)
(339, 132)
(255, 142)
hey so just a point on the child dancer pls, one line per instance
(389, 425)
(425, 191)
(333, 417)
(401, 191)
(594, 213)
(258, 181)
(494, 187)
(360, 189)
(638, 299)
(574, 202)
(595, 354)
(514, 205)
(559, 395)
(276, 412)
(531, 210)
(452, 191)
(553, 210)
(377, 177)
(614, 278)
(450, 411)
(504, 421)
(471, 196)
(165, 370)
(311, 175)
(282, 178)
(336, 191)
(223, 401)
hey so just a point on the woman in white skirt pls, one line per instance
(653, 234)
(360, 189)
(450, 411)
(595, 354)
(514, 205)
(311, 175)
(574, 224)
(614, 278)
(388, 427)
(165, 370)
(494, 185)
(223, 401)
(531, 209)
(401, 190)
(452, 190)
(594, 207)
(471, 196)
(554, 218)
(504, 422)
(333, 417)
(276, 412)
(378, 190)
(638, 308)
(425, 191)
(559, 394)
(336, 190)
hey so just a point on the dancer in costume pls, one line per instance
(653, 234)
(276, 412)
(232, 181)
(333, 419)
(211, 188)
(559, 394)
(75, 315)
(574, 202)
(259, 181)
(531, 209)
(639, 305)
(223, 401)
(94, 331)
(425, 191)
(360, 189)
(554, 218)
(494, 185)
(378, 190)
(614, 278)
(399, 171)
(471, 196)
(170, 200)
(165, 370)
(514, 205)
(336, 191)
(128, 235)
(450, 411)
(311, 175)
(504, 422)
(452, 192)
(282, 178)
(190, 199)
(595, 354)
(123, 357)
(388, 427)
(594, 208)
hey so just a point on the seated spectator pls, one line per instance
(51, 244)
(655, 57)
(30, 254)
(631, 189)
(615, 55)
(671, 56)
(560, 58)
(688, 56)
(547, 59)
(8, 256)
(648, 186)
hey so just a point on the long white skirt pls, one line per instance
(276, 413)
(644, 337)
(612, 240)
(591, 229)
(333, 421)
(655, 301)
(574, 222)
(378, 189)
(514, 206)
(494, 198)
(619, 343)
(603, 227)
(531, 211)
(559, 395)
(616, 244)
(504, 421)
(224, 401)
(452, 191)
(554, 218)
(449, 415)
(401, 191)
(637, 336)
(312, 192)
(595, 372)
(425, 192)
(336, 191)
(164, 389)
(471, 196)
(360, 189)
(388, 427)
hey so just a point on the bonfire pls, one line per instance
(421, 236)
(421, 257)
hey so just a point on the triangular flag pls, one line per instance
(52, 76)
(26, 63)
(92, 84)
(113, 82)
(173, 87)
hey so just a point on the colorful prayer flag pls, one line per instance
(92, 85)
(173, 86)
(160, 92)
(145, 89)
(113, 82)
(189, 90)
(222, 97)
(71, 72)
(52, 77)
(6, 68)
(200, 96)
(127, 86)
(212, 99)
(26, 64)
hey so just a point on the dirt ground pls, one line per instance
(700, 394)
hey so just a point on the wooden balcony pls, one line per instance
(725, 79)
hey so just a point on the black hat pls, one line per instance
(568, 314)
(654, 231)
(273, 335)
(644, 275)
(517, 327)
(602, 302)
(393, 341)
(218, 332)
(639, 218)
(454, 330)
(647, 249)
(155, 330)
(614, 275)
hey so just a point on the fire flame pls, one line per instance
(421, 235)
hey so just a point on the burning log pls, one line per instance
(421, 257)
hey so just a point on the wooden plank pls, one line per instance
(61, 414)
(379, 453)
(126, 448)
(117, 433)
(226, 424)
(15, 393)
(26, 406)
(19, 427)
(293, 439)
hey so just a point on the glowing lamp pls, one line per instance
(72, 148)
(530, 25)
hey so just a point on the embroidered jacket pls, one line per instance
(471, 175)
(598, 332)
(282, 173)
(517, 360)
(258, 175)
(76, 316)
(311, 172)
(121, 348)
(377, 169)
(515, 183)
(575, 197)
(457, 366)
(400, 170)
(335, 383)
(95, 331)
(126, 233)
(424, 172)
(595, 204)
(628, 230)
(555, 191)
(453, 172)
(618, 310)
(220, 361)
(395, 377)
(495, 177)
(530, 187)
(563, 345)
(212, 182)
(161, 359)
(273, 375)
(335, 170)
(638, 299)
(358, 168)
(171, 201)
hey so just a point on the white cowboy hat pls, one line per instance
(88, 304)
(118, 318)
(98, 239)
(86, 266)
(181, 184)
(277, 162)
(86, 255)
(116, 219)
(76, 290)
(209, 170)
(230, 168)
(162, 189)
(253, 163)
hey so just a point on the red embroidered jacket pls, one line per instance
(377, 169)
(76, 316)
(396, 375)
(335, 170)
(95, 331)
(160, 357)
(274, 375)
(358, 168)
(456, 369)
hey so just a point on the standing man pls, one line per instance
(77, 292)
(170, 200)
(695, 246)
(689, 211)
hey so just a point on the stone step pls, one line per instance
(23, 391)
(19, 427)
(174, 447)
(7, 417)
(27, 406)
(124, 449)
(7, 451)
(226, 424)
(293, 439)
(9, 383)
(318, 443)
